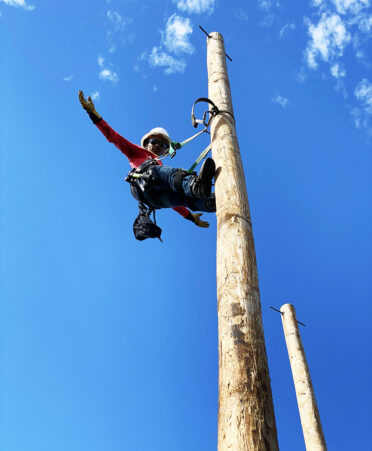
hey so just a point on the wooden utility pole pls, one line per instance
(310, 419)
(246, 414)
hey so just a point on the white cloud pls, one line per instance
(286, 29)
(241, 14)
(337, 27)
(95, 96)
(100, 60)
(365, 24)
(350, 6)
(176, 38)
(337, 71)
(267, 21)
(328, 39)
(265, 4)
(362, 115)
(341, 6)
(117, 21)
(340, 23)
(318, 3)
(18, 3)
(301, 75)
(363, 92)
(362, 120)
(155, 88)
(196, 6)
(282, 101)
(116, 24)
(159, 58)
(112, 48)
(106, 73)
(69, 77)
(358, 117)
(340, 87)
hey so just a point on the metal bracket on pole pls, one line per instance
(282, 313)
(209, 36)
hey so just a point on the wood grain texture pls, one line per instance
(310, 419)
(246, 415)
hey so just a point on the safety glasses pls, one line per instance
(163, 145)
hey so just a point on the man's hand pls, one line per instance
(89, 107)
(197, 221)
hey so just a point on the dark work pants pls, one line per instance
(163, 194)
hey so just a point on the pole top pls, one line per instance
(214, 35)
(287, 306)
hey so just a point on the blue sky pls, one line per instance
(111, 344)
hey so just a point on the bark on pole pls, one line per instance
(310, 419)
(246, 414)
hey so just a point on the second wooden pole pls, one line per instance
(310, 419)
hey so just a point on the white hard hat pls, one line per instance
(156, 131)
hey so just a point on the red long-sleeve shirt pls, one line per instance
(135, 154)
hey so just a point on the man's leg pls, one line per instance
(207, 205)
(199, 186)
(164, 198)
(171, 187)
(179, 180)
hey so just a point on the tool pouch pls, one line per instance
(144, 227)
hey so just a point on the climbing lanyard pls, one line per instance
(206, 121)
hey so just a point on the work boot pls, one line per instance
(210, 203)
(201, 185)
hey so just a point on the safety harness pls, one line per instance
(141, 179)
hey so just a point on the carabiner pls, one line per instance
(212, 112)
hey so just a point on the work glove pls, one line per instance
(195, 218)
(89, 107)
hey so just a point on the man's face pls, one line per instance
(157, 145)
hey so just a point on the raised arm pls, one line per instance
(130, 150)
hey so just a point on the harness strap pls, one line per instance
(200, 157)
(135, 178)
(175, 145)
(180, 175)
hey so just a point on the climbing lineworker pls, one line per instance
(153, 183)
